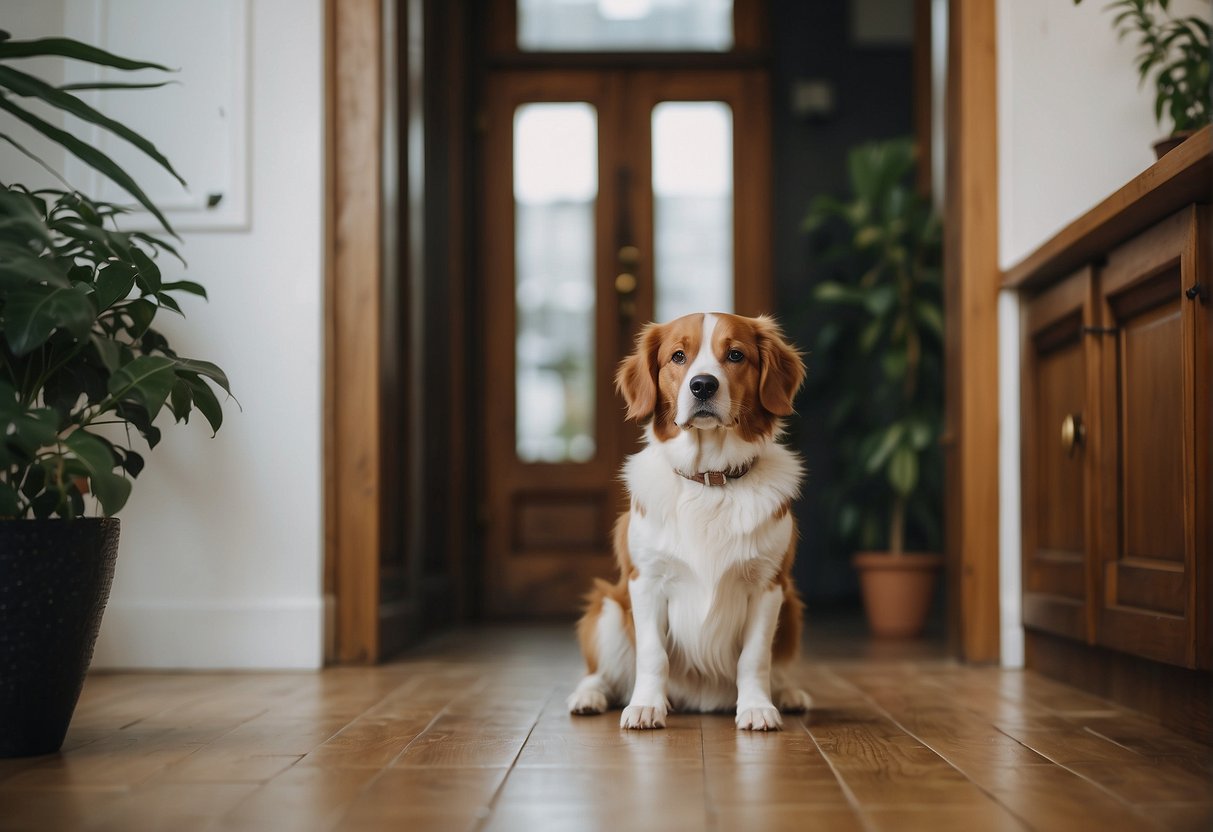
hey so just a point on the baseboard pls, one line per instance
(1177, 697)
(283, 634)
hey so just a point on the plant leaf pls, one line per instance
(114, 283)
(31, 316)
(89, 155)
(888, 442)
(68, 48)
(28, 86)
(206, 402)
(206, 368)
(111, 85)
(903, 471)
(186, 286)
(111, 490)
(147, 380)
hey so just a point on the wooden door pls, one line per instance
(1060, 439)
(597, 220)
(1155, 462)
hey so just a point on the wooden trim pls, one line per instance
(1183, 176)
(352, 326)
(971, 297)
(454, 99)
(751, 29)
(739, 59)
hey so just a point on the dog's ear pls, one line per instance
(636, 379)
(781, 369)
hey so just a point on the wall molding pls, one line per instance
(220, 120)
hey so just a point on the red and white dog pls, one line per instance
(704, 611)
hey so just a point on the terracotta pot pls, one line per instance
(897, 590)
(1164, 146)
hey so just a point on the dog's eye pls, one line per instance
(736, 356)
(679, 357)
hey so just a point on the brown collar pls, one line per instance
(717, 477)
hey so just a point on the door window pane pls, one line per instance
(555, 189)
(692, 208)
(625, 25)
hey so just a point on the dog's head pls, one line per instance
(711, 371)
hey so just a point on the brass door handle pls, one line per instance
(1073, 432)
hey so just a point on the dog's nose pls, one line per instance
(704, 387)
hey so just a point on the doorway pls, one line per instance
(615, 196)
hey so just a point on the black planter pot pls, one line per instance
(55, 578)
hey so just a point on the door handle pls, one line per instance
(1073, 432)
(626, 283)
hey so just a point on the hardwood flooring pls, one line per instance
(470, 733)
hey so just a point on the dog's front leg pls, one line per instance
(648, 706)
(755, 711)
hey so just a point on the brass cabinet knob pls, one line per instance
(625, 283)
(628, 256)
(1073, 432)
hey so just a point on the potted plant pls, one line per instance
(82, 371)
(1177, 49)
(878, 363)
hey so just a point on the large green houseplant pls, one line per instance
(1176, 50)
(878, 363)
(83, 372)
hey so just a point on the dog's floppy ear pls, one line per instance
(636, 379)
(781, 370)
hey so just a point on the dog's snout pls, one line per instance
(704, 387)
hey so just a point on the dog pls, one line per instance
(704, 615)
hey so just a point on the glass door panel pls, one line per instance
(555, 190)
(692, 208)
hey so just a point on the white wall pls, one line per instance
(221, 556)
(1073, 123)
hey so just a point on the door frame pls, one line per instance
(353, 312)
(353, 463)
(972, 280)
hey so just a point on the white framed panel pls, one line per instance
(199, 122)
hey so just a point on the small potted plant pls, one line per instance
(82, 371)
(878, 364)
(1177, 50)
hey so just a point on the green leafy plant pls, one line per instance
(78, 300)
(1177, 48)
(878, 359)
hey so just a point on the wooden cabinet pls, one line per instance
(1059, 383)
(1116, 384)
(1153, 399)
(1115, 415)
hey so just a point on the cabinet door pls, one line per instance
(1154, 548)
(1058, 428)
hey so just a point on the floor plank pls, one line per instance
(469, 733)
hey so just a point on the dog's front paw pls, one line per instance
(643, 716)
(793, 700)
(589, 701)
(765, 718)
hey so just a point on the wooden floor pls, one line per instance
(470, 733)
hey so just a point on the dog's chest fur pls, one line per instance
(713, 547)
